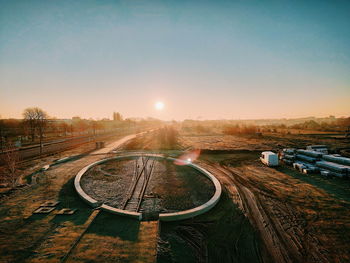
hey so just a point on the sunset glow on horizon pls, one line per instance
(208, 60)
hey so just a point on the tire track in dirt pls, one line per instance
(284, 246)
(253, 211)
(273, 189)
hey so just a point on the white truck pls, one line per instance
(269, 158)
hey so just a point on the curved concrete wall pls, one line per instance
(199, 209)
(79, 189)
(94, 203)
(117, 211)
(163, 216)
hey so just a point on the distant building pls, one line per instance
(117, 116)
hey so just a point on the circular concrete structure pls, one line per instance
(173, 216)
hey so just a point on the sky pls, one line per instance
(202, 59)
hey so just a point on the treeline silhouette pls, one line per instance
(240, 130)
(37, 125)
(340, 124)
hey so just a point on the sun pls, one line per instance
(159, 105)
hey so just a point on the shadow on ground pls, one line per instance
(223, 234)
(68, 198)
(230, 157)
(107, 224)
(338, 187)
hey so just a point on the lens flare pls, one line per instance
(188, 157)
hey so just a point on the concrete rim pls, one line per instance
(181, 215)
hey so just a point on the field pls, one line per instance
(264, 214)
(300, 218)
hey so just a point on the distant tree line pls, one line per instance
(37, 126)
(240, 129)
(237, 127)
(340, 124)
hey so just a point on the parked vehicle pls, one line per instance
(318, 148)
(269, 158)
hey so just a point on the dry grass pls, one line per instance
(310, 214)
(24, 234)
(114, 246)
(319, 221)
(254, 143)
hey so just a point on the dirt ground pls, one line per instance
(171, 187)
(264, 215)
(300, 218)
(109, 182)
(178, 187)
(26, 237)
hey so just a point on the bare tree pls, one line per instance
(37, 120)
(41, 120)
(94, 126)
(10, 159)
(63, 127)
(29, 117)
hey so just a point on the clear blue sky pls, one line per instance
(203, 59)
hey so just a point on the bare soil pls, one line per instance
(177, 188)
(300, 218)
(264, 215)
(109, 182)
(171, 187)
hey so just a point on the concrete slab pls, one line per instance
(66, 211)
(49, 204)
(44, 210)
(46, 167)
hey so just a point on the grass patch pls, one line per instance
(69, 198)
(107, 224)
(230, 158)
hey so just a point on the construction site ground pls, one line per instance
(293, 217)
(264, 215)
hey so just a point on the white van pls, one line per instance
(269, 158)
